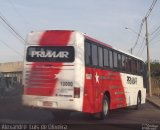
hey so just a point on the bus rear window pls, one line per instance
(50, 54)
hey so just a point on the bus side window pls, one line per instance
(110, 59)
(88, 53)
(106, 57)
(119, 61)
(115, 60)
(123, 62)
(128, 64)
(140, 67)
(134, 66)
(94, 55)
(100, 57)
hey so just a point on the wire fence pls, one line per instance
(10, 85)
(155, 82)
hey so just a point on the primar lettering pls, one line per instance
(50, 54)
(131, 80)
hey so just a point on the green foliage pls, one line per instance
(155, 68)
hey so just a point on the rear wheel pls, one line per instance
(105, 108)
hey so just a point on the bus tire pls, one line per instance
(105, 108)
(138, 105)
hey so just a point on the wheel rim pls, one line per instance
(105, 107)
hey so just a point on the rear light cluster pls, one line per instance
(76, 92)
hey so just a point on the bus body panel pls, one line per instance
(97, 83)
(132, 85)
(123, 89)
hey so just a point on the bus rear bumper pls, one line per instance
(51, 102)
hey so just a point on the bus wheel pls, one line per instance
(138, 106)
(105, 108)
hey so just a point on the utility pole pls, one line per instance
(148, 60)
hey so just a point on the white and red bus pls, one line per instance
(67, 70)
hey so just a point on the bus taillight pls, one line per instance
(76, 92)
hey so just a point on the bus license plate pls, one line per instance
(47, 103)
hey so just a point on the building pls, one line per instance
(10, 78)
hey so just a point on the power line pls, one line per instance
(5, 26)
(155, 42)
(154, 38)
(141, 46)
(19, 14)
(155, 30)
(142, 50)
(139, 34)
(151, 8)
(11, 28)
(4, 43)
(143, 20)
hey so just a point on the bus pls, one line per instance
(68, 70)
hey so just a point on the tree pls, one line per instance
(155, 68)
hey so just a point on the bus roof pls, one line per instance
(109, 46)
(128, 54)
(89, 38)
(97, 41)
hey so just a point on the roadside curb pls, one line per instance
(153, 103)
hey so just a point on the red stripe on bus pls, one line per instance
(55, 37)
(94, 90)
(49, 38)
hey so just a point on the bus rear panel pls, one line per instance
(51, 70)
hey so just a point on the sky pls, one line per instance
(104, 20)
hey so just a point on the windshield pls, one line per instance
(50, 54)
